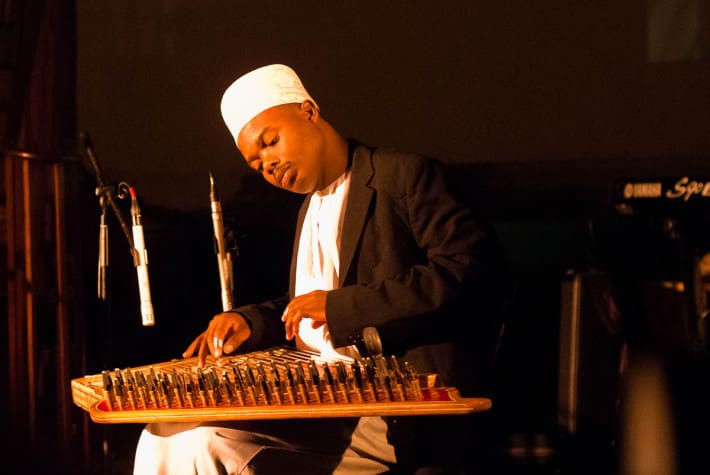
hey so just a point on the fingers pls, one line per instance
(235, 340)
(198, 344)
(223, 335)
(310, 305)
(292, 316)
(190, 350)
(202, 354)
(217, 346)
(287, 322)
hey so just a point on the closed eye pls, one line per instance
(271, 141)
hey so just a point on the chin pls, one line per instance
(300, 188)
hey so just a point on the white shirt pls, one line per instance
(318, 259)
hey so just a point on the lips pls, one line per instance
(284, 176)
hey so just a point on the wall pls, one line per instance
(469, 82)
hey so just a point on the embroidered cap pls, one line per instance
(258, 90)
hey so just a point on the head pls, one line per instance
(279, 131)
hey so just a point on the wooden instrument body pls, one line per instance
(272, 393)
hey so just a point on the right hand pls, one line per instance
(225, 333)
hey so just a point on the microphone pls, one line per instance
(224, 259)
(103, 257)
(140, 260)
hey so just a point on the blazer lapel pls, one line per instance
(297, 239)
(359, 198)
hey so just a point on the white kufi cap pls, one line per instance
(258, 90)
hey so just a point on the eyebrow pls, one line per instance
(259, 139)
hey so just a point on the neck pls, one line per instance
(338, 156)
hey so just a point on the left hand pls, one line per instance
(225, 332)
(310, 305)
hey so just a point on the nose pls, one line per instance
(269, 162)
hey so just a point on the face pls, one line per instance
(286, 145)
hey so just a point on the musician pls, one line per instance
(380, 242)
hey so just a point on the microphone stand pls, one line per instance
(135, 238)
(104, 192)
(224, 259)
(107, 198)
(107, 195)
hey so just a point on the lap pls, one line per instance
(243, 447)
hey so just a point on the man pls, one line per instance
(380, 242)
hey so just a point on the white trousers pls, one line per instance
(301, 446)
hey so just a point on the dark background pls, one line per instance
(468, 82)
(538, 108)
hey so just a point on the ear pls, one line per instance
(309, 110)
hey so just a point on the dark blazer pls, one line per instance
(415, 264)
